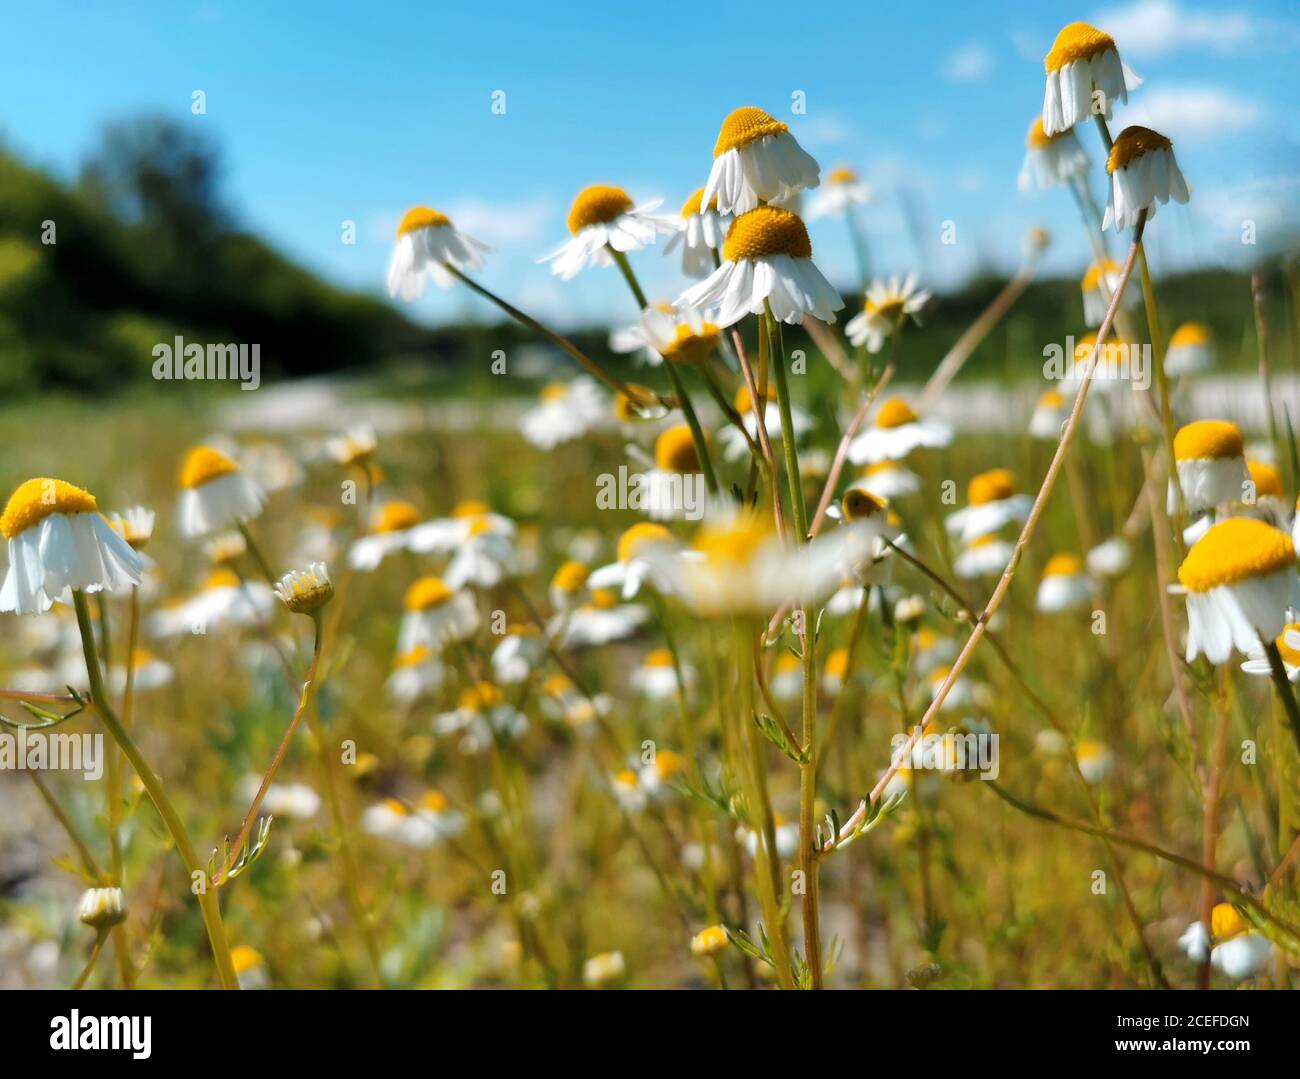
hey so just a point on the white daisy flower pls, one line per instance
(632, 570)
(703, 233)
(518, 654)
(481, 717)
(983, 556)
(284, 801)
(667, 489)
(895, 432)
(417, 674)
(487, 556)
(767, 261)
(566, 411)
(148, 672)
(992, 503)
(435, 615)
(885, 308)
(1288, 647)
(656, 677)
(305, 591)
(787, 677)
(1084, 76)
(634, 341)
(602, 969)
(1190, 351)
(1238, 951)
(1269, 503)
(1065, 586)
(1111, 558)
(684, 337)
(1051, 160)
(223, 601)
(135, 525)
(215, 494)
(931, 650)
(1048, 417)
(787, 838)
(1211, 465)
(1095, 760)
(1240, 579)
(1143, 174)
(355, 447)
(604, 218)
(427, 243)
(656, 775)
(599, 622)
(57, 541)
(1098, 286)
(843, 191)
(889, 480)
(756, 159)
(734, 445)
(389, 532)
(960, 698)
(834, 670)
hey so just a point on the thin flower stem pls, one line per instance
(1026, 533)
(100, 936)
(1210, 833)
(591, 366)
(304, 697)
(776, 351)
(207, 899)
(1285, 694)
(263, 566)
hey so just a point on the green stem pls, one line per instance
(1283, 686)
(263, 565)
(776, 349)
(208, 904)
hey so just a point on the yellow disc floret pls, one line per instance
(764, 232)
(1131, 144)
(243, 958)
(695, 204)
(688, 346)
(1190, 333)
(639, 537)
(841, 175)
(744, 403)
(421, 217)
(675, 450)
(895, 413)
(1233, 550)
(659, 658)
(426, 592)
(1266, 478)
(396, 516)
(1289, 655)
(1037, 137)
(570, 576)
(203, 464)
(37, 499)
(709, 941)
(1076, 42)
(1063, 565)
(1092, 279)
(1208, 439)
(991, 486)
(860, 505)
(744, 126)
(597, 205)
(1226, 922)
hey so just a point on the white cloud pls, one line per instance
(970, 63)
(1267, 202)
(504, 224)
(1156, 27)
(823, 130)
(1191, 113)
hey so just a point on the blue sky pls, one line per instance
(330, 112)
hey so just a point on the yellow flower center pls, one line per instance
(860, 505)
(1226, 922)
(991, 486)
(426, 592)
(1233, 550)
(1217, 439)
(734, 543)
(597, 205)
(675, 450)
(141, 656)
(626, 778)
(744, 403)
(1289, 654)
(36, 499)
(894, 413)
(570, 577)
(470, 508)
(1037, 137)
(766, 231)
(413, 658)
(1063, 565)
(889, 310)
(243, 958)
(709, 941)
(1089, 749)
(481, 695)
(744, 126)
(787, 663)
(604, 599)
(640, 536)
(1051, 399)
(421, 217)
(626, 409)
(221, 578)
(396, 516)
(203, 464)
(1266, 478)
(668, 763)
(554, 391)
(1132, 143)
(837, 662)
(1092, 279)
(395, 807)
(1076, 42)
(695, 204)
(842, 175)
(1190, 333)
(689, 346)
(434, 801)
(659, 658)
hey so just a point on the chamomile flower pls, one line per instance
(1234, 947)
(417, 673)
(569, 585)
(982, 556)
(625, 785)
(1267, 502)
(834, 670)
(565, 411)
(1048, 417)
(734, 445)
(602, 969)
(215, 494)
(634, 341)
(355, 448)
(1190, 351)
(223, 601)
(680, 338)
(518, 654)
(57, 541)
(1240, 579)
(657, 774)
(889, 480)
(486, 556)
(102, 908)
(435, 615)
(599, 622)
(1111, 558)
(739, 566)
(1050, 160)
(895, 432)
(959, 698)
(632, 569)
(1084, 75)
(148, 672)
(886, 306)
(756, 159)
(992, 503)
(666, 488)
(709, 941)
(482, 716)
(931, 650)
(1209, 455)
(427, 243)
(842, 191)
(604, 218)
(250, 968)
(787, 838)
(767, 262)
(1143, 174)
(656, 677)
(286, 801)
(306, 591)
(1288, 647)
(787, 677)
(1098, 286)
(134, 525)
(703, 232)
(1096, 761)
(1065, 585)
(389, 532)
